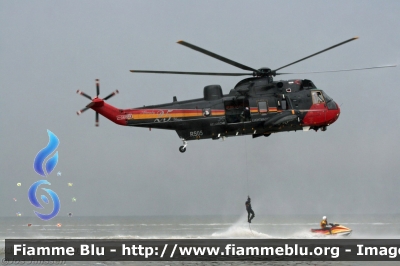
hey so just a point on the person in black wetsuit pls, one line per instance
(250, 212)
(245, 115)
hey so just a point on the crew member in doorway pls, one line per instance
(246, 114)
(250, 212)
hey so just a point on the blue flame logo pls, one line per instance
(44, 153)
(49, 166)
(36, 203)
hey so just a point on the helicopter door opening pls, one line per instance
(282, 103)
(237, 111)
(319, 107)
(317, 97)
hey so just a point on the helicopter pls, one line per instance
(257, 105)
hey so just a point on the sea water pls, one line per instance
(197, 227)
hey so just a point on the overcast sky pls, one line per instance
(49, 49)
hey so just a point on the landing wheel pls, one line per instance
(323, 128)
(182, 149)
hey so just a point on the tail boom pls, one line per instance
(108, 111)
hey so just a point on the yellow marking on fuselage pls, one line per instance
(165, 114)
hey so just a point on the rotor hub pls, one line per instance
(263, 72)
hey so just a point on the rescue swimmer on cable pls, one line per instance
(250, 212)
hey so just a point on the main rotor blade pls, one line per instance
(192, 73)
(111, 95)
(97, 87)
(341, 70)
(223, 59)
(336, 45)
(84, 94)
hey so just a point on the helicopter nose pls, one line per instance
(337, 111)
(333, 114)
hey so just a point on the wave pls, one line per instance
(240, 231)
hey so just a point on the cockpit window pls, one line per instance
(330, 103)
(317, 97)
(327, 98)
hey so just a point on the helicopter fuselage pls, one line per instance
(255, 107)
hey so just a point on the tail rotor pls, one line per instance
(92, 99)
(84, 94)
(81, 111)
(112, 94)
(97, 119)
(97, 87)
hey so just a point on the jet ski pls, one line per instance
(333, 229)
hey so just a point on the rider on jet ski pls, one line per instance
(331, 229)
(324, 224)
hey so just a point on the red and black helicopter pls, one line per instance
(257, 106)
